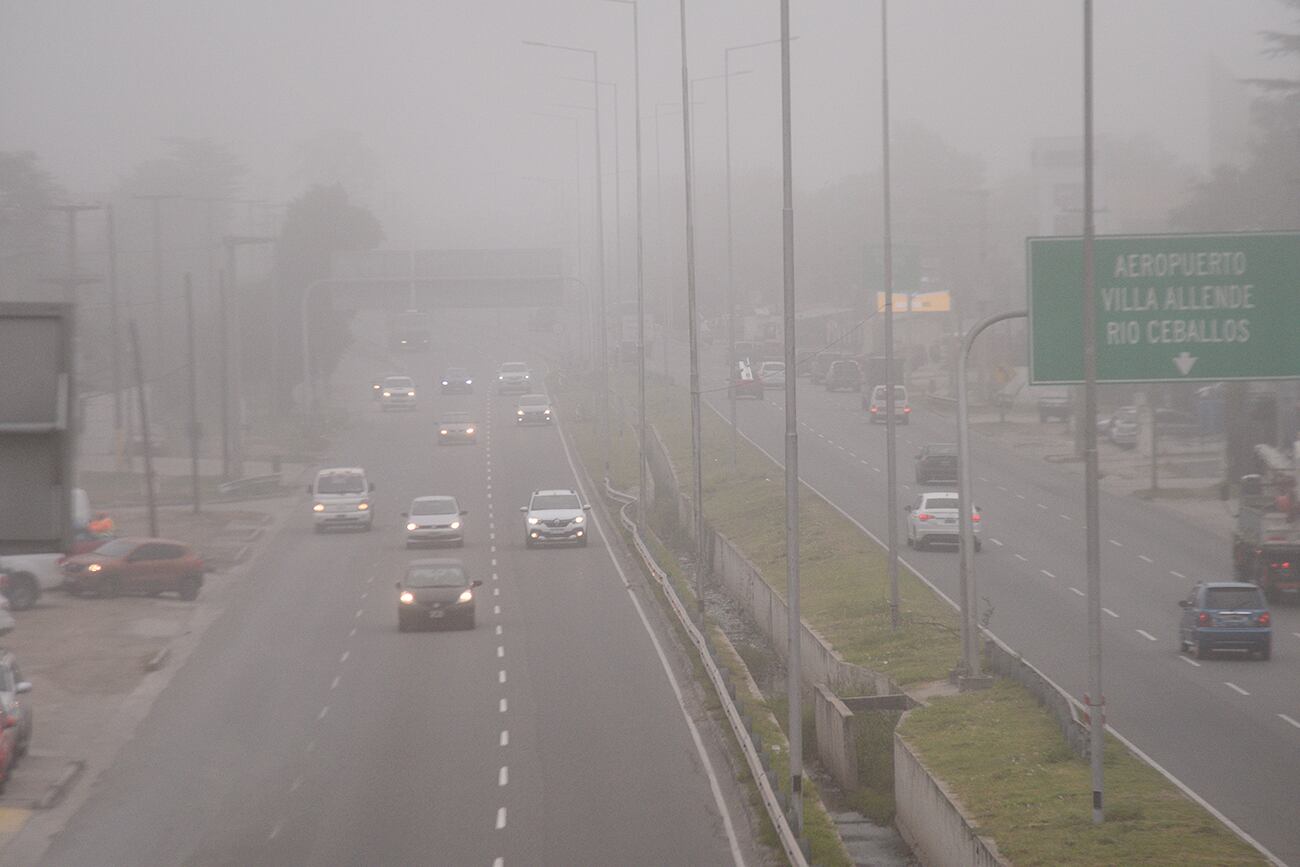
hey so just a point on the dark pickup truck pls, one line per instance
(936, 463)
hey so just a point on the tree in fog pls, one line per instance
(319, 223)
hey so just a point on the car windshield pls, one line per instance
(1234, 597)
(341, 483)
(555, 501)
(936, 503)
(514, 367)
(440, 575)
(116, 548)
(434, 506)
(900, 393)
(534, 400)
(398, 382)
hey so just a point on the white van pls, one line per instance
(341, 498)
(877, 406)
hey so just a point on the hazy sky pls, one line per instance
(443, 91)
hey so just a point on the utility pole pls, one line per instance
(891, 428)
(110, 229)
(223, 329)
(194, 392)
(144, 429)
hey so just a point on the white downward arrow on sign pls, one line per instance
(1184, 362)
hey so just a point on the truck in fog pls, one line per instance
(411, 330)
(1266, 540)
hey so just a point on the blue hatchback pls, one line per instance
(1226, 615)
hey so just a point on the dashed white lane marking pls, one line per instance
(1116, 543)
(323, 711)
(505, 737)
(1145, 559)
(297, 784)
(493, 548)
(1065, 517)
(1021, 497)
(1296, 634)
(275, 832)
(1042, 506)
(495, 577)
(335, 683)
(1189, 661)
(875, 469)
(996, 542)
(840, 447)
(494, 561)
(982, 479)
(1002, 488)
(344, 657)
(1147, 635)
(1048, 574)
(852, 454)
(501, 676)
(501, 818)
(907, 487)
(1288, 719)
(496, 591)
(364, 595)
(501, 651)
(501, 707)
(353, 632)
(370, 580)
(496, 609)
(360, 611)
(498, 629)
(489, 496)
(1022, 558)
(821, 436)
(864, 463)
(1177, 574)
(491, 526)
(503, 776)
(1232, 686)
(1111, 613)
(1077, 592)
(492, 535)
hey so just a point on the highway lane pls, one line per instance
(1208, 722)
(306, 729)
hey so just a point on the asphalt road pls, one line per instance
(1227, 727)
(305, 729)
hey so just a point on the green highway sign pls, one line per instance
(1170, 308)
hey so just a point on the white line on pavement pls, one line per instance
(335, 683)
(275, 832)
(1077, 592)
(1145, 559)
(496, 609)
(996, 542)
(498, 629)
(1002, 488)
(875, 469)
(1189, 660)
(323, 711)
(495, 577)
(297, 784)
(1022, 558)
(1048, 574)
(1289, 720)
(499, 862)
(494, 561)
(1147, 635)
(1020, 496)
(501, 818)
(360, 611)
(353, 632)
(1042, 506)
(1116, 543)
(1232, 686)
(501, 651)
(1065, 517)
(1177, 574)
(496, 591)
(505, 737)
(503, 776)
(344, 657)
(1111, 613)
(501, 676)
(982, 479)
(501, 706)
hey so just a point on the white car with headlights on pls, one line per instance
(534, 409)
(457, 427)
(398, 392)
(341, 498)
(435, 519)
(555, 516)
(514, 376)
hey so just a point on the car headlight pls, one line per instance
(469, 430)
(412, 525)
(319, 507)
(467, 596)
(501, 377)
(375, 386)
(444, 382)
(388, 394)
(363, 506)
(547, 410)
(406, 597)
(578, 519)
(469, 382)
(411, 393)
(443, 431)
(532, 520)
(519, 412)
(455, 525)
(94, 567)
(526, 376)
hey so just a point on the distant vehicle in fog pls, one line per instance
(457, 427)
(936, 463)
(772, 374)
(341, 498)
(877, 404)
(136, 565)
(843, 375)
(933, 518)
(744, 383)
(514, 376)
(377, 384)
(534, 409)
(1225, 615)
(435, 519)
(398, 393)
(457, 381)
(1053, 403)
(411, 330)
(433, 592)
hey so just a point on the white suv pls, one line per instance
(555, 516)
(514, 376)
(933, 518)
(397, 391)
(341, 498)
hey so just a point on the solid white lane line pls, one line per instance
(1022, 558)
(1147, 635)
(1048, 574)
(501, 676)
(1116, 543)
(1145, 559)
(335, 683)
(505, 737)
(503, 776)
(344, 657)
(1111, 613)
(996, 542)
(1189, 660)
(1232, 686)
(501, 651)
(1289, 720)
(1177, 574)
(501, 818)
(323, 711)
(1077, 592)
(501, 706)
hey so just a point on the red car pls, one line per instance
(136, 565)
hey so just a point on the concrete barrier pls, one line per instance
(932, 821)
(837, 746)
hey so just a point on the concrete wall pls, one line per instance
(1064, 709)
(837, 746)
(666, 484)
(930, 819)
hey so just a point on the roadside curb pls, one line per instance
(54, 794)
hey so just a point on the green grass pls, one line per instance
(1004, 759)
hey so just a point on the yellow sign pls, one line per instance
(919, 302)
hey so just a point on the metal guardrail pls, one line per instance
(251, 485)
(786, 836)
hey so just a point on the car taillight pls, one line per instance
(1203, 619)
(975, 517)
(907, 409)
(873, 408)
(1263, 619)
(1280, 567)
(923, 516)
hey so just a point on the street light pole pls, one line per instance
(640, 273)
(603, 335)
(115, 355)
(891, 428)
